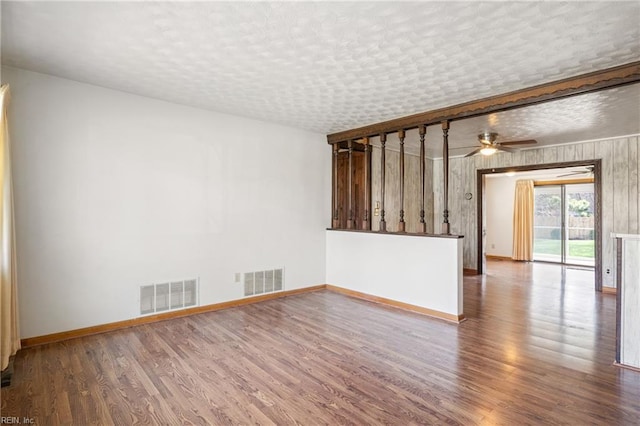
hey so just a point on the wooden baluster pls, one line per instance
(401, 224)
(366, 222)
(335, 224)
(423, 131)
(350, 185)
(446, 228)
(383, 141)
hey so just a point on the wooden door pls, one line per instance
(358, 190)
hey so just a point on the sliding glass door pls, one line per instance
(564, 224)
(580, 228)
(548, 224)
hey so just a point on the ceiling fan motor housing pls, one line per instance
(487, 138)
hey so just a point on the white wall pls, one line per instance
(419, 270)
(114, 191)
(1, 80)
(499, 194)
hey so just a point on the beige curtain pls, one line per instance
(10, 336)
(523, 221)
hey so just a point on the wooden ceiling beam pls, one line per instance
(585, 83)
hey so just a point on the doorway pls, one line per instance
(564, 223)
(351, 190)
(481, 240)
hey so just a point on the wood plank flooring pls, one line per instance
(537, 348)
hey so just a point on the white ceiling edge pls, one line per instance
(393, 148)
(157, 99)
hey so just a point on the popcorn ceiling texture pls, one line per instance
(324, 67)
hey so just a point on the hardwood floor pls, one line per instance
(537, 348)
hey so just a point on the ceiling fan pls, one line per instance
(588, 170)
(489, 146)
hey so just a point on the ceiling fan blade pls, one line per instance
(463, 147)
(589, 171)
(572, 174)
(474, 152)
(523, 142)
(506, 149)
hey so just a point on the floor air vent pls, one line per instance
(168, 296)
(263, 282)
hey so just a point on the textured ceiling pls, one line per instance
(597, 115)
(328, 67)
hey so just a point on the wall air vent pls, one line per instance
(261, 282)
(168, 296)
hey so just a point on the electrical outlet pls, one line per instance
(608, 271)
(493, 246)
(237, 277)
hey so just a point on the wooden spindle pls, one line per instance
(335, 224)
(366, 222)
(422, 131)
(350, 185)
(383, 141)
(446, 228)
(401, 224)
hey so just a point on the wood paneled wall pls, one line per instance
(620, 185)
(392, 193)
